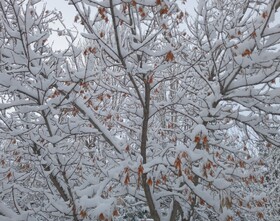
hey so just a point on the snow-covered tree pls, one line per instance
(271, 181)
(159, 117)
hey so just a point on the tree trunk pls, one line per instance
(144, 138)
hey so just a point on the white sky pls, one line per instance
(69, 13)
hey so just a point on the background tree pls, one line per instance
(159, 114)
(271, 181)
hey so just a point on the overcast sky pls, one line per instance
(69, 13)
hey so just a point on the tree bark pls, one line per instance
(144, 139)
